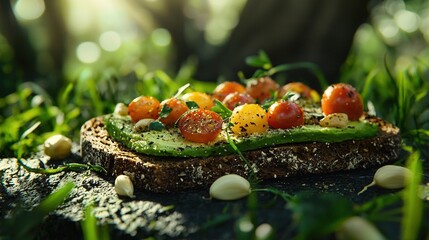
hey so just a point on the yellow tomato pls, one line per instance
(203, 100)
(248, 119)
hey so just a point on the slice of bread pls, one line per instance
(169, 174)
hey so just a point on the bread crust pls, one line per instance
(171, 174)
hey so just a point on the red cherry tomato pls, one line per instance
(200, 125)
(225, 88)
(284, 114)
(175, 108)
(233, 100)
(143, 107)
(342, 98)
(261, 88)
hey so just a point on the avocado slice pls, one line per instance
(169, 142)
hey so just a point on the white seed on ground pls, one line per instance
(143, 124)
(121, 109)
(230, 187)
(390, 177)
(264, 231)
(57, 147)
(424, 192)
(124, 186)
(338, 120)
(357, 228)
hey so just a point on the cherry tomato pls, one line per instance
(233, 100)
(203, 100)
(262, 88)
(297, 87)
(225, 88)
(143, 107)
(284, 114)
(175, 108)
(342, 98)
(200, 125)
(248, 119)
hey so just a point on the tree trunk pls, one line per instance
(289, 31)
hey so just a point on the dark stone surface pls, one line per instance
(183, 215)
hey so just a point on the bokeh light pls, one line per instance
(88, 52)
(161, 37)
(225, 17)
(389, 30)
(110, 41)
(29, 9)
(407, 21)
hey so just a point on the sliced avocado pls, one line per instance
(169, 142)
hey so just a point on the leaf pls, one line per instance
(261, 60)
(254, 61)
(29, 130)
(192, 105)
(259, 73)
(265, 60)
(413, 205)
(165, 84)
(381, 208)
(181, 90)
(65, 96)
(165, 111)
(20, 149)
(252, 174)
(216, 221)
(75, 167)
(313, 68)
(369, 82)
(55, 199)
(221, 109)
(156, 125)
(89, 224)
(317, 214)
(23, 223)
(90, 228)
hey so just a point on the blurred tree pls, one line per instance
(29, 65)
(24, 54)
(289, 31)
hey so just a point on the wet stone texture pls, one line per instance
(183, 215)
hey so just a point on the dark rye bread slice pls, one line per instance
(170, 174)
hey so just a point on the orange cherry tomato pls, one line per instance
(297, 87)
(225, 88)
(200, 125)
(235, 99)
(143, 107)
(171, 109)
(262, 88)
(342, 98)
(203, 100)
(284, 114)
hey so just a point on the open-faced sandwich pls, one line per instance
(193, 138)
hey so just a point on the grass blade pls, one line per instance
(23, 223)
(55, 199)
(413, 206)
(90, 228)
(313, 68)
